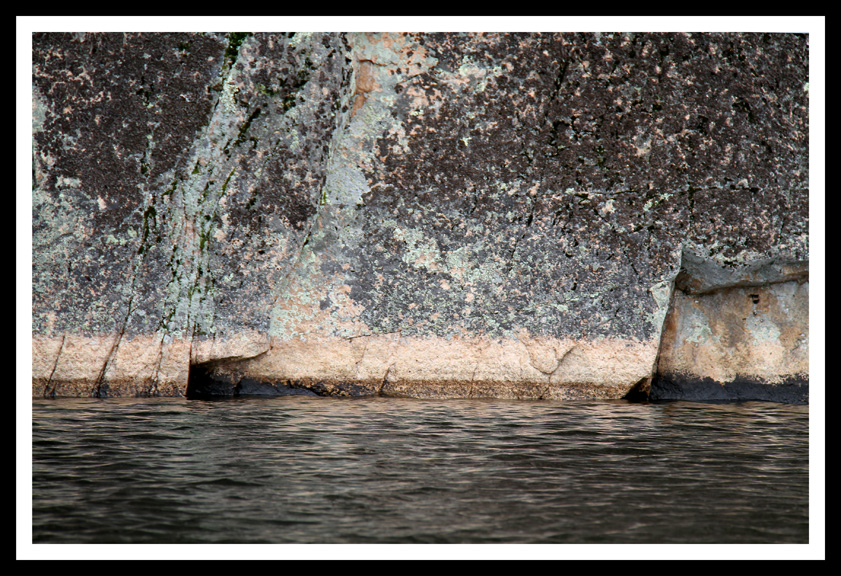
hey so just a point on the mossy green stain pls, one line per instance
(289, 102)
(171, 189)
(235, 40)
(265, 90)
(228, 179)
(204, 235)
(246, 125)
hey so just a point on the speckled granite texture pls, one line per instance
(432, 215)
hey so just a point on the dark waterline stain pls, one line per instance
(794, 390)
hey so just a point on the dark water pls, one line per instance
(329, 470)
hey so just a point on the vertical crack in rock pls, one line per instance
(385, 380)
(665, 305)
(642, 389)
(152, 382)
(100, 385)
(655, 369)
(49, 387)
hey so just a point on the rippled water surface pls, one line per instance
(377, 470)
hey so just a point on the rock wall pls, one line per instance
(431, 215)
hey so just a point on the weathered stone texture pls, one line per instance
(113, 115)
(736, 337)
(289, 197)
(174, 175)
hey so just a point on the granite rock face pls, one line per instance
(432, 215)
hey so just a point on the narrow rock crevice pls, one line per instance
(49, 387)
(99, 385)
(385, 380)
(639, 392)
(642, 389)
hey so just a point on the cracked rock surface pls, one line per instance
(433, 215)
